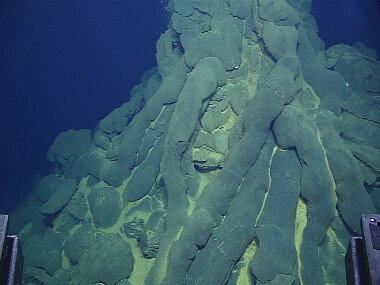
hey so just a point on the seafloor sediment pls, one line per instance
(247, 156)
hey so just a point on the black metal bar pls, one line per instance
(12, 259)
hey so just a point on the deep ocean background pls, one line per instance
(66, 64)
(348, 21)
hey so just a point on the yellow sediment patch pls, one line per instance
(65, 261)
(115, 228)
(251, 78)
(252, 81)
(300, 225)
(162, 267)
(82, 187)
(74, 228)
(153, 124)
(231, 120)
(244, 276)
(310, 90)
(192, 200)
(270, 182)
(333, 185)
(86, 191)
(58, 222)
(332, 236)
(335, 248)
(178, 234)
(141, 265)
(162, 260)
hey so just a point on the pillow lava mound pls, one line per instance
(247, 156)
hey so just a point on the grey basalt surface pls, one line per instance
(105, 206)
(69, 146)
(109, 259)
(247, 156)
(63, 191)
(78, 243)
(274, 229)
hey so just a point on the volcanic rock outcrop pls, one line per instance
(247, 156)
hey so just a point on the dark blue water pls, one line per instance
(348, 21)
(65, 64)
